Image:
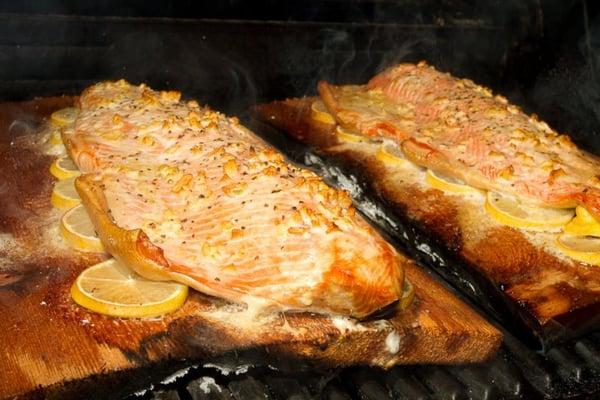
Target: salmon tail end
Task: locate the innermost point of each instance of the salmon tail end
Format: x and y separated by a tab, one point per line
361	286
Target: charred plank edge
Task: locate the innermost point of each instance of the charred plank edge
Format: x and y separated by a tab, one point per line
410	237
114	385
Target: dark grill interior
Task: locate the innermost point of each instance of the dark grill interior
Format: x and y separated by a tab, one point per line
543	55
517	372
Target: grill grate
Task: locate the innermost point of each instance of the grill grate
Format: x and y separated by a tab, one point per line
517	372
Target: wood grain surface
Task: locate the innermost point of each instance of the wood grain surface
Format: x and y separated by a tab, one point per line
50	347
554	296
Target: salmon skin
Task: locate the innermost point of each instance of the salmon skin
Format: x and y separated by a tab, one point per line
181	192
462	130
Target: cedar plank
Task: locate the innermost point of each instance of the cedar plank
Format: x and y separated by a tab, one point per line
52	347
550	293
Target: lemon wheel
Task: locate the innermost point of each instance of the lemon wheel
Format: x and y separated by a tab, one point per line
319	113
64	116
111	288
64	168
78	231
584	224
581	248
390	154
448	184
510	211
57	150
65	195
55	138
346	136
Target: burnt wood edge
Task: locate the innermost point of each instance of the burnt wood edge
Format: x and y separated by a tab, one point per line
133	382
113	385
460	276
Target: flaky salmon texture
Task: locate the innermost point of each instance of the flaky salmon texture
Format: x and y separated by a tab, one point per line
456	127
181	192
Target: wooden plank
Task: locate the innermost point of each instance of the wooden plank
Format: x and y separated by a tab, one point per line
539	293
49	344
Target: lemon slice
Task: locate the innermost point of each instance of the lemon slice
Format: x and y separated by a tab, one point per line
64	117
448	184
584	224
319	112
390	154
77	229
113	289
64	194
55	137
581	248
64	168
346	136
55	145
58	150
510	211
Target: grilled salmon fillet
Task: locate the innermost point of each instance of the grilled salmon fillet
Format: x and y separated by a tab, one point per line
460	129
181	192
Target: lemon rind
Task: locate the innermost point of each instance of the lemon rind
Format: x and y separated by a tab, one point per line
389	158
439	183
349	137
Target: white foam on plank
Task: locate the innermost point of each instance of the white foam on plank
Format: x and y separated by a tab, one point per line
392	342
346	325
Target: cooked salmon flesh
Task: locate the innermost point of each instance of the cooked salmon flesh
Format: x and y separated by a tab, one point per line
462	130
182	192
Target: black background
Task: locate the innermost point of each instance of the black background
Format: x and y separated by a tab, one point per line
542	54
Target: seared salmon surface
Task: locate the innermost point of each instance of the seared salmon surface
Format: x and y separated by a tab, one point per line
220	207
462	130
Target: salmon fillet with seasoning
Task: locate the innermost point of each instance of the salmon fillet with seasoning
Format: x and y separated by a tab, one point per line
460	129
181	192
